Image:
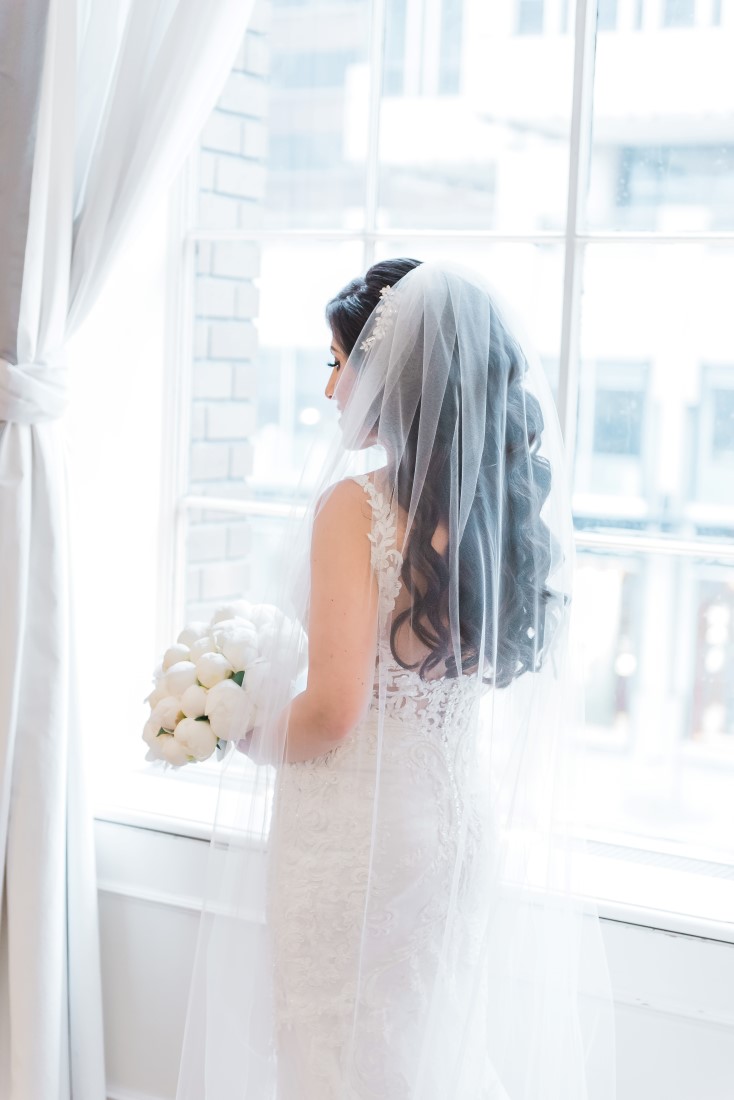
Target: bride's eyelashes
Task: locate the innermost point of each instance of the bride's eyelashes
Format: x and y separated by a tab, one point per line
334	365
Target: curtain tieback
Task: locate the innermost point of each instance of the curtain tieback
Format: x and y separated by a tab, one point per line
32	392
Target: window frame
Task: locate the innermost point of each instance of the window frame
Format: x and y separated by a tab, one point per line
177	502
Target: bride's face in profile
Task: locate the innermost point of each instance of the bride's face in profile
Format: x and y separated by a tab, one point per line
342	378
341	381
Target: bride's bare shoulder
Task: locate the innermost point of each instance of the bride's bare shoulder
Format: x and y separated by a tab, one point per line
343	503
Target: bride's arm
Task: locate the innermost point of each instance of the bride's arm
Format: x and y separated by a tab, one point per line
342	627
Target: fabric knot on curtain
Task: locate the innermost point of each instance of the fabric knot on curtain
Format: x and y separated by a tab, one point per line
33	392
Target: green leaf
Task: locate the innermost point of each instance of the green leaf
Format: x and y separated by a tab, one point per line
167	732
238	677
201	718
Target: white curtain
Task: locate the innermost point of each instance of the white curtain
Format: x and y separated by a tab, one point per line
99	105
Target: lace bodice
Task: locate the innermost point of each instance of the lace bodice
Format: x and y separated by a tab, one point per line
443	701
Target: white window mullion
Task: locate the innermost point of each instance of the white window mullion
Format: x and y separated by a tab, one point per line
578	167
376	55
175	427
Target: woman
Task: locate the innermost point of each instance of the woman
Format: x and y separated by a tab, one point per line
423	933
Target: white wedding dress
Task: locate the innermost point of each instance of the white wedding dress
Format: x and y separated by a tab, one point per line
410	988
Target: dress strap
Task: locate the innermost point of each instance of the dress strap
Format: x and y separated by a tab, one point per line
385	557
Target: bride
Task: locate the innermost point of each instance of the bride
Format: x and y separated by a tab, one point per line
394	908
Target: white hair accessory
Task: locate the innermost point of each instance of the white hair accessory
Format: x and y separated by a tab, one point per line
384	312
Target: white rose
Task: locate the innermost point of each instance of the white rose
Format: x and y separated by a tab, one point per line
192	632
166	712
211	668
174	654
179	677
193	701
171	750
196	737
230	710
201	646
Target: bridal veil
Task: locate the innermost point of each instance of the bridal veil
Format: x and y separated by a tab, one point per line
445	398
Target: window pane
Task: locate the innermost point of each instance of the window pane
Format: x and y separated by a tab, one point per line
678	13
659	649
286	143
230	557
662	142
473	125
261	349
655	425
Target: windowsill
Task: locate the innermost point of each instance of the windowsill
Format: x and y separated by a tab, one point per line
655	889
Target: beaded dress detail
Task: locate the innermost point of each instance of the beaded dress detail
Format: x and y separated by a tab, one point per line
352	996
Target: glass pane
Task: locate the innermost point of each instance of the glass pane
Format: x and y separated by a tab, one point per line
655	426
659	648
230	557
261	351
474	123
662	142
286	143
529	277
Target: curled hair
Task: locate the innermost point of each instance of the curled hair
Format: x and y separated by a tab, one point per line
503	522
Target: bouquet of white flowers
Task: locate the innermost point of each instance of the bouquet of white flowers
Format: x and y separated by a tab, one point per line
208	686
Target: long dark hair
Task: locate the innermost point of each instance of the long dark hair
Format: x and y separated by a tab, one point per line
520	538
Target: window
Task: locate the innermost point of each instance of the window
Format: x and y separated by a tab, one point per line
678	13
606	15
530	17
300	182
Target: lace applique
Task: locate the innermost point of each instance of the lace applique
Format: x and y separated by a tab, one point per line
441	701
387	561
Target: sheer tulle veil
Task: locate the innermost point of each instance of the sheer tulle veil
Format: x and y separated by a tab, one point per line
444	396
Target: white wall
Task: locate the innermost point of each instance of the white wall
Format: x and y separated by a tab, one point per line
675	993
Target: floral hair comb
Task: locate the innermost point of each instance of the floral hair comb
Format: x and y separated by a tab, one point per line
384	312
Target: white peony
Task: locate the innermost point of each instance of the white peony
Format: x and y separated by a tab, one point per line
211	668
169	749
237	640
256	679
159	692
238	609
166	712
230	710
201	646
175	653
150	732
179	677
193	701
192	632
196	737
266	614
267	638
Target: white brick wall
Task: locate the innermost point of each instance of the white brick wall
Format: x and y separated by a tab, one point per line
212	379
223	132
232	181
231	420
231	340
235	259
